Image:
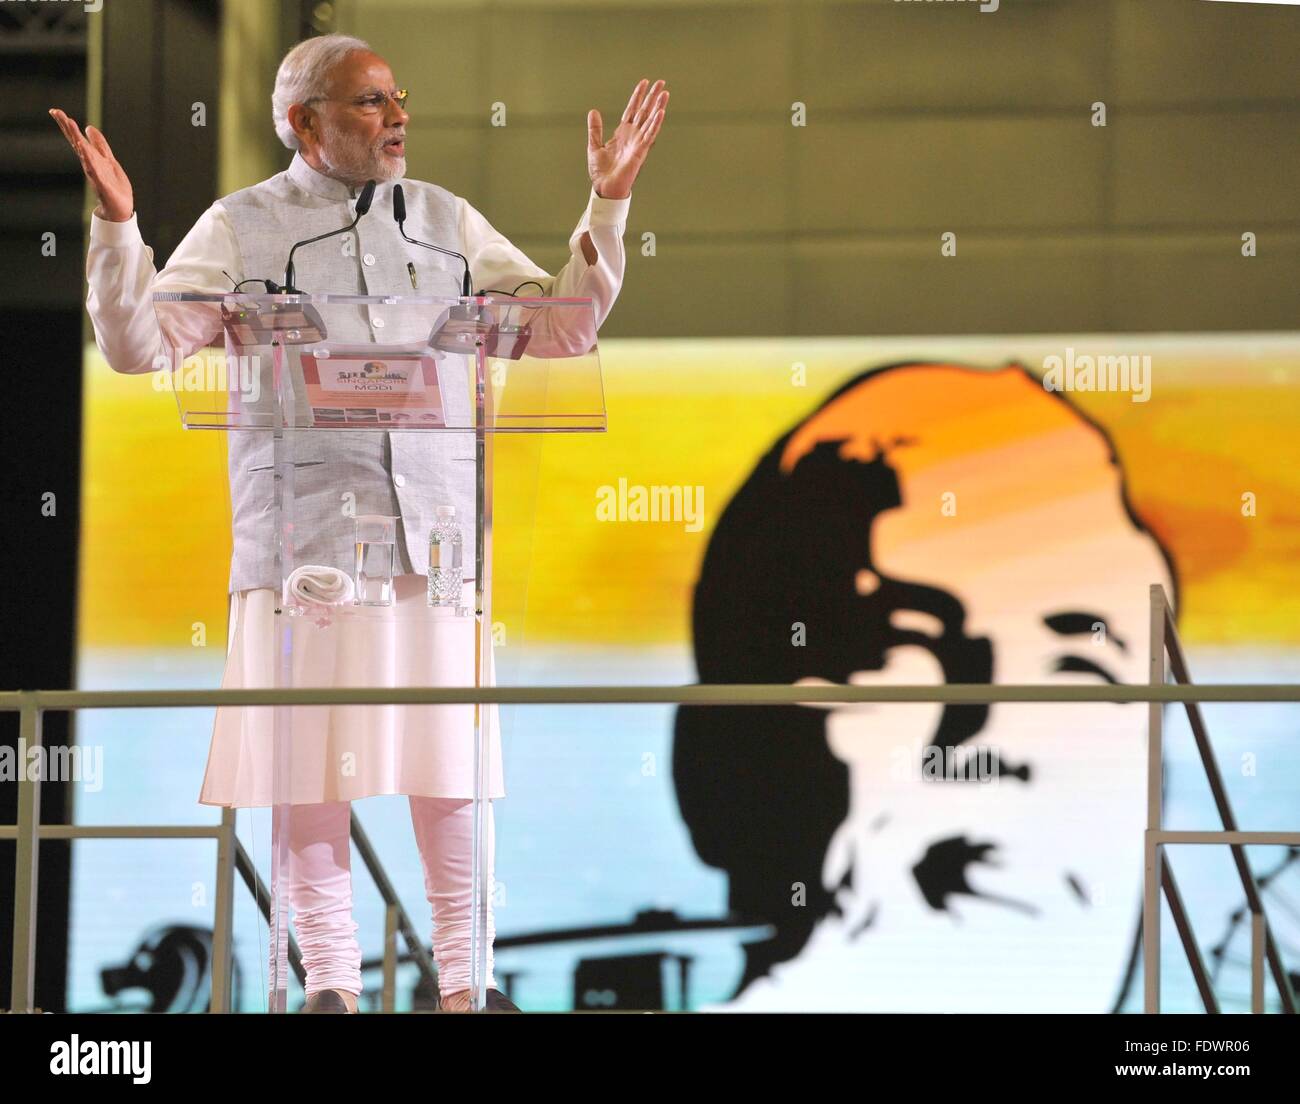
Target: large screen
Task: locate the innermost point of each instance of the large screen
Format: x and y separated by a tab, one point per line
796	511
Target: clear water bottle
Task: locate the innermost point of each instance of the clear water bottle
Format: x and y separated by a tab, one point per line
445	575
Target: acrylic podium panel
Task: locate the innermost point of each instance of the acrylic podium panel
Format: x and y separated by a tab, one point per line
551	340
304	375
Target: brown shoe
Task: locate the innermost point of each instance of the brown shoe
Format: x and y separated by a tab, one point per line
327	1000
495	1001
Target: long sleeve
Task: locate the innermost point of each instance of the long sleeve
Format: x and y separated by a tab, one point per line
121	278
496	264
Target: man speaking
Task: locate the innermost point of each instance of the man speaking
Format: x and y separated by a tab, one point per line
337	106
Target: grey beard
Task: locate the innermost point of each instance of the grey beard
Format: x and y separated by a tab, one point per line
353	163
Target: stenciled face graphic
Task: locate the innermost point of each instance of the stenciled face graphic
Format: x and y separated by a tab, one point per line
1021	890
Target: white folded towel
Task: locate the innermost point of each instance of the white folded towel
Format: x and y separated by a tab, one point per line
318	585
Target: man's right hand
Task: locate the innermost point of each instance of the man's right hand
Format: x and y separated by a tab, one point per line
106	176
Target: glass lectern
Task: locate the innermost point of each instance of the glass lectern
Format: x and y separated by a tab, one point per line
362	437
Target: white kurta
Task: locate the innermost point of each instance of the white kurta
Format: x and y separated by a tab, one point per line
344	752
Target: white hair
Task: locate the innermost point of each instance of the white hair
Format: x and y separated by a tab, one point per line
304	73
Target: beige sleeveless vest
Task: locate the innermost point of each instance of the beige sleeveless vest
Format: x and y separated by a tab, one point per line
404	474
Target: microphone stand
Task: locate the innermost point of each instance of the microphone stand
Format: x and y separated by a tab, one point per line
363	205
399	215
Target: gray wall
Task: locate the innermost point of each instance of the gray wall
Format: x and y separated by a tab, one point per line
922	118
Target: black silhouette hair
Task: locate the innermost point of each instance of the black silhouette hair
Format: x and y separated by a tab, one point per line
757	786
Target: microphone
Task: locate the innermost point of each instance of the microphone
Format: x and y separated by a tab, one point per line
364	200
399	214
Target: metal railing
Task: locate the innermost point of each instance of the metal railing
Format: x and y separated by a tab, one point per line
1159	874
31	705
232	857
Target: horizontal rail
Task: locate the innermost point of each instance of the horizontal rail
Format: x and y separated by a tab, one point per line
708	694
1281	839
114	831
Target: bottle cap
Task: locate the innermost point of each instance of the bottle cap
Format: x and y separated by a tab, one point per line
446	511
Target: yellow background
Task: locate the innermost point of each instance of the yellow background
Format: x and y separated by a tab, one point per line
1221	422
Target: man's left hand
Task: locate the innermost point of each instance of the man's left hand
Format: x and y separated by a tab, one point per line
613	165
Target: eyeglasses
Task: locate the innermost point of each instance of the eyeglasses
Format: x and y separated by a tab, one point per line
371	102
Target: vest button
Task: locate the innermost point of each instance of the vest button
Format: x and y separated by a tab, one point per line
378	323
400	480
369	258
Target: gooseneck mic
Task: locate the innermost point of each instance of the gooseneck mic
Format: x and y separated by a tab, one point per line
399	213
364	200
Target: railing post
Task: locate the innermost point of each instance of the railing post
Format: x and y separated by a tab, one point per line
1155	778
27	861
389	1001
223	913
1258	938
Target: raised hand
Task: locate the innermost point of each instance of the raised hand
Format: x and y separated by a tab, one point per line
614	165
106	176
